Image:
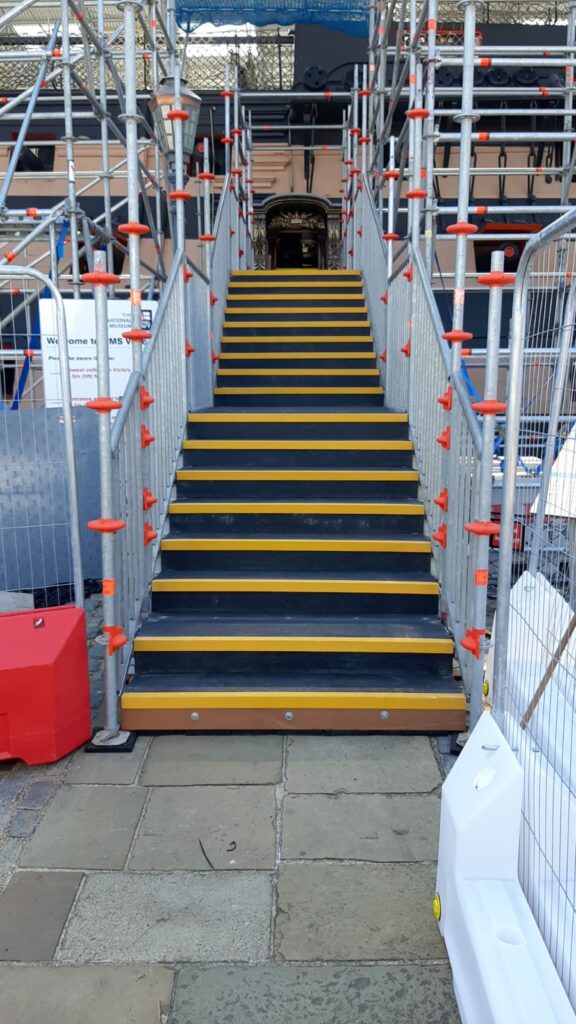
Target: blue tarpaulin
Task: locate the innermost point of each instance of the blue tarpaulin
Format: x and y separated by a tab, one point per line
346	15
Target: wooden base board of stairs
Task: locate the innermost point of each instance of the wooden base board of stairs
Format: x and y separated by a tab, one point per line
295	591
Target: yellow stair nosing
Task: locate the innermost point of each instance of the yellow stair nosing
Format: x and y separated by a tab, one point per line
289	339
298	445
318	297
293	310
298	417
186	585
253	356
303	272
283	371
384	508
298	391
353	700
308	476
303	644
242	324
357	285
421	546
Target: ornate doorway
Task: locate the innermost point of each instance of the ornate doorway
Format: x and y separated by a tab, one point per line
297	231
296	235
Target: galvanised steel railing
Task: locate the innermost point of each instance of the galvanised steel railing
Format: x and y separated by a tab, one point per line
139	453
449	444
148	430
534	692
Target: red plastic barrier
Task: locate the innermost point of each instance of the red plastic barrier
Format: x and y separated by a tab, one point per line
44	684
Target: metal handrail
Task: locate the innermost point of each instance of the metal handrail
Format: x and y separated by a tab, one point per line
131	390
457	381
551	233
220	211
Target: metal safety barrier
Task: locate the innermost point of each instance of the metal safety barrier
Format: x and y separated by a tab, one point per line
533	688
223	259
40	549
446	433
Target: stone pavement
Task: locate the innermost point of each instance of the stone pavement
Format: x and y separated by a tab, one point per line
216	879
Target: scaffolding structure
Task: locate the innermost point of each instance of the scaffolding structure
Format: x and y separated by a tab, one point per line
443	143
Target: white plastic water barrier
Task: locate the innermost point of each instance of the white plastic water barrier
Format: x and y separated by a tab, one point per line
503	973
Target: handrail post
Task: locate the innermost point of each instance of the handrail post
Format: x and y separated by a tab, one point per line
480	561
133	229
228	94
108	525
354	172
429	139
462	230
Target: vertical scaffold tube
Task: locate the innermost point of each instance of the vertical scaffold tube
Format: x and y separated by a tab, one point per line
480	564
69	139
134	230
461	230
428	138
104	138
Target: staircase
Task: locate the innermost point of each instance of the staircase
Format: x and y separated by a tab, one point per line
295	589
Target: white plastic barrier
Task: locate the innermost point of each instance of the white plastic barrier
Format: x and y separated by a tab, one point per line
503	973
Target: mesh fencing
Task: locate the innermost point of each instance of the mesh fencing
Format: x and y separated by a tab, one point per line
36	517
264	58
535	697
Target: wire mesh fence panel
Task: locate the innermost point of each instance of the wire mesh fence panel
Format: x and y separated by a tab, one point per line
264	58
200	369
397	365
224	258
152	449
38	518
374	262
447	446
535	670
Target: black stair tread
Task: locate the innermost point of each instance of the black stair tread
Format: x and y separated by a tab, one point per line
279	538
238	410
313	472
170	682
298	505
388	577
421	627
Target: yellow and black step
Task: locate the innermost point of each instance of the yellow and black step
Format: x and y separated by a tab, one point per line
294	586
295	593
388	555
308	483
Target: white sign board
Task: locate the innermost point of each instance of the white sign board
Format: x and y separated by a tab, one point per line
81	325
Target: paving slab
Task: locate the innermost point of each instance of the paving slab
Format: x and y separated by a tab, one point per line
38	795
192	828
278	993
213	760
361	764
357	912
86	827
108	769
33	911
10	851
163	918
92	995
354	826
24	823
